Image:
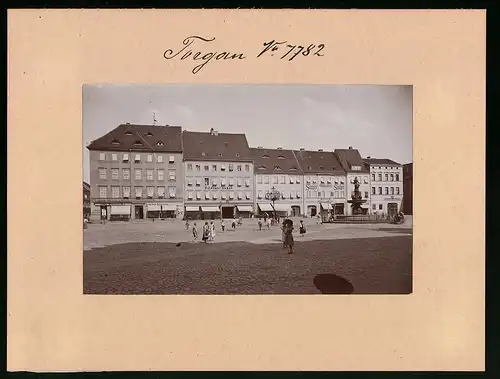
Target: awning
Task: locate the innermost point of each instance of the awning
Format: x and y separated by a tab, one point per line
210	209
339	202
282	207
192	209
153	207
169	207
245	208
160	207
325	206
120	209
265	207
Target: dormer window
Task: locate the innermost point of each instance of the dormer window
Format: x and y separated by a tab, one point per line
203	153
159	143
281	157
261	167
137	143
321	167
237	154
293	169
278	168
128	133
115	142
220	154
149	134
309	168
265	156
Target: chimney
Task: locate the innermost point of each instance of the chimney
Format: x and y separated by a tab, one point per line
302	149
350	147
128	123
320	149
259	147
279	147
368	157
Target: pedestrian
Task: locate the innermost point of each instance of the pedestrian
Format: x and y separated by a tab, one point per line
260	224
222	225
187	224
283	235
233	224
289	236
195	232
302	228
212	231
269	223
205	232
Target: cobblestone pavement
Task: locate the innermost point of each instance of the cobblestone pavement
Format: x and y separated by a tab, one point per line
380	265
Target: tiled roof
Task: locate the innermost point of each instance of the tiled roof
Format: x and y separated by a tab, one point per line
380	161
351	157
131	137
318	162
274	161
86	186
216	147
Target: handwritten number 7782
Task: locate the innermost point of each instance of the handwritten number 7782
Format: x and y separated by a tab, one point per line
291	51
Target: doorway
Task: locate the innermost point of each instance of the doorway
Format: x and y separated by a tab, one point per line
312	210
295	211
227	212
392	209
139	212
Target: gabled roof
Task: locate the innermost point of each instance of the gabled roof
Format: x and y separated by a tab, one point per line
226	147
318	162
275	161
381	161
349	158
131	137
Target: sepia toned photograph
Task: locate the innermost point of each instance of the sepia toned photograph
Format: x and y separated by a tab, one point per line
247	189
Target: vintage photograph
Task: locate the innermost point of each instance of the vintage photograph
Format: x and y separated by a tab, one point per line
247	189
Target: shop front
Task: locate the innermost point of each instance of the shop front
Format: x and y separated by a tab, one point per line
192	213
210	212
265	208
161	211
120	212
244	211
283	210
326	210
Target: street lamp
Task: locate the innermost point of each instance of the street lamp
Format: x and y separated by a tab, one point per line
273	195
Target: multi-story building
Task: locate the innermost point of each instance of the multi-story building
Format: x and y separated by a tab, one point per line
136	172
408	188
324	183
218	175
86	199
355	168
277	171
386	181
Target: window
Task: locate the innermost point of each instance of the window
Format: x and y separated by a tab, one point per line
149	158
282	179
266	179
297	180
373	177
159	143
329	180
159	158
247	168
171	175
247	182
102	173
231	195
259	179
247	195
223	167
322	180
214	182
206	167
138	192
292	194
314	180
190	167
161	192
319	194
161	175
114	157
240	195
102	156
198	182
231	182
103	192
374	206
238	167
379	177
151	192
298	194
366	194
214	195
207	195
284	195
392	190
336	194
259	194
373	190
380	207
190	182
214	167
171	159
171	192
125	157
223	182
230	167
397	190
197	167
275	179
115	174
392	177
365	179
239	182
126	192
386	190
291	179
207	181
386	177
380	190
190	195
138	174
223	195
397	177
137	158
149	174
356	168
198	195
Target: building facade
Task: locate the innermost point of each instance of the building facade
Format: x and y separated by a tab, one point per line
386	181
355	168
219	175
408	189
324	183
86	200
277	172
136	172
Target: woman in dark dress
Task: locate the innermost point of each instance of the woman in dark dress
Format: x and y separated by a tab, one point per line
302	228
288	235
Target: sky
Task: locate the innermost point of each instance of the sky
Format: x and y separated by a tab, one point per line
375	119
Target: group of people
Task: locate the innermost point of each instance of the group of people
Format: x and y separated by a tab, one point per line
208	229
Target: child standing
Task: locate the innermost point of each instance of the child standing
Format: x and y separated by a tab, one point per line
302	228
222	225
